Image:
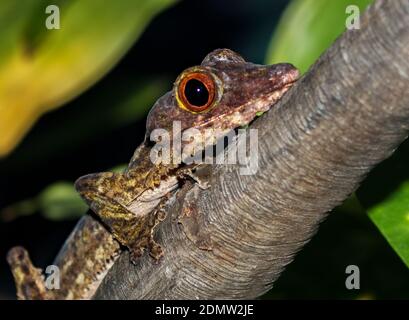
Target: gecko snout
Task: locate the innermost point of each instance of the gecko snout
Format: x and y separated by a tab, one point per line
93	188
283	73
84	183
87	187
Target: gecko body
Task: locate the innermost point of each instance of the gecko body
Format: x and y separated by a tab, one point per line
221	94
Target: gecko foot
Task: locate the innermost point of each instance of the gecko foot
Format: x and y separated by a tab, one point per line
193	223
155	251
146	240
135	254
28	279
200	174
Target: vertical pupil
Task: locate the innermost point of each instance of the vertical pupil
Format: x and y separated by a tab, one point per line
196	93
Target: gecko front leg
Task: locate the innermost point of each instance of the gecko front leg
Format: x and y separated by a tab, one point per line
201	175
131	216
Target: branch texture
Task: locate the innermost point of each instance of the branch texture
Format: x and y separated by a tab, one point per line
347	114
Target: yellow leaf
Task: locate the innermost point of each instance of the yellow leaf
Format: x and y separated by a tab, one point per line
43	69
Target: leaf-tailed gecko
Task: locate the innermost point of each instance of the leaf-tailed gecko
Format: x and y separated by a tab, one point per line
223	93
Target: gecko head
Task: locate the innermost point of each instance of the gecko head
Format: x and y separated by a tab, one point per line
97	190
223	93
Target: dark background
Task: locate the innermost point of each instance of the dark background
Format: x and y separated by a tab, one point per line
176	39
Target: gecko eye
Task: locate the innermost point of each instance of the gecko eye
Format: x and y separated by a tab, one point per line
196	91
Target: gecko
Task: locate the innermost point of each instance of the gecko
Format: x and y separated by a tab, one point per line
223	93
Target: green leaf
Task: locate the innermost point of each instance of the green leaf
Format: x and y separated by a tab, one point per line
117	106
307	28
385	196
58	201
391	216
41	69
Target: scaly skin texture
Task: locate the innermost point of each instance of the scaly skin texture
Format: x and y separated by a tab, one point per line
131	204
83	261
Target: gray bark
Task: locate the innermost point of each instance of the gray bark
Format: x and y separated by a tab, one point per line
347	114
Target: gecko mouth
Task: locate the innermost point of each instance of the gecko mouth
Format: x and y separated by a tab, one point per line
272	99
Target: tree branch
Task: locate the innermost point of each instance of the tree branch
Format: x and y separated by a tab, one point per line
345	116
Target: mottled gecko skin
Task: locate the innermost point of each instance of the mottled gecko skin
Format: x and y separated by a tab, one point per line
84	260
223	93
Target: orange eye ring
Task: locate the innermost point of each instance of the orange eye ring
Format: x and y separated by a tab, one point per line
196	91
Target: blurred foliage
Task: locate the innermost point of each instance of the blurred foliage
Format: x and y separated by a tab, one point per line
391	216
41	69
385	195
119	105
58	201
307	28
